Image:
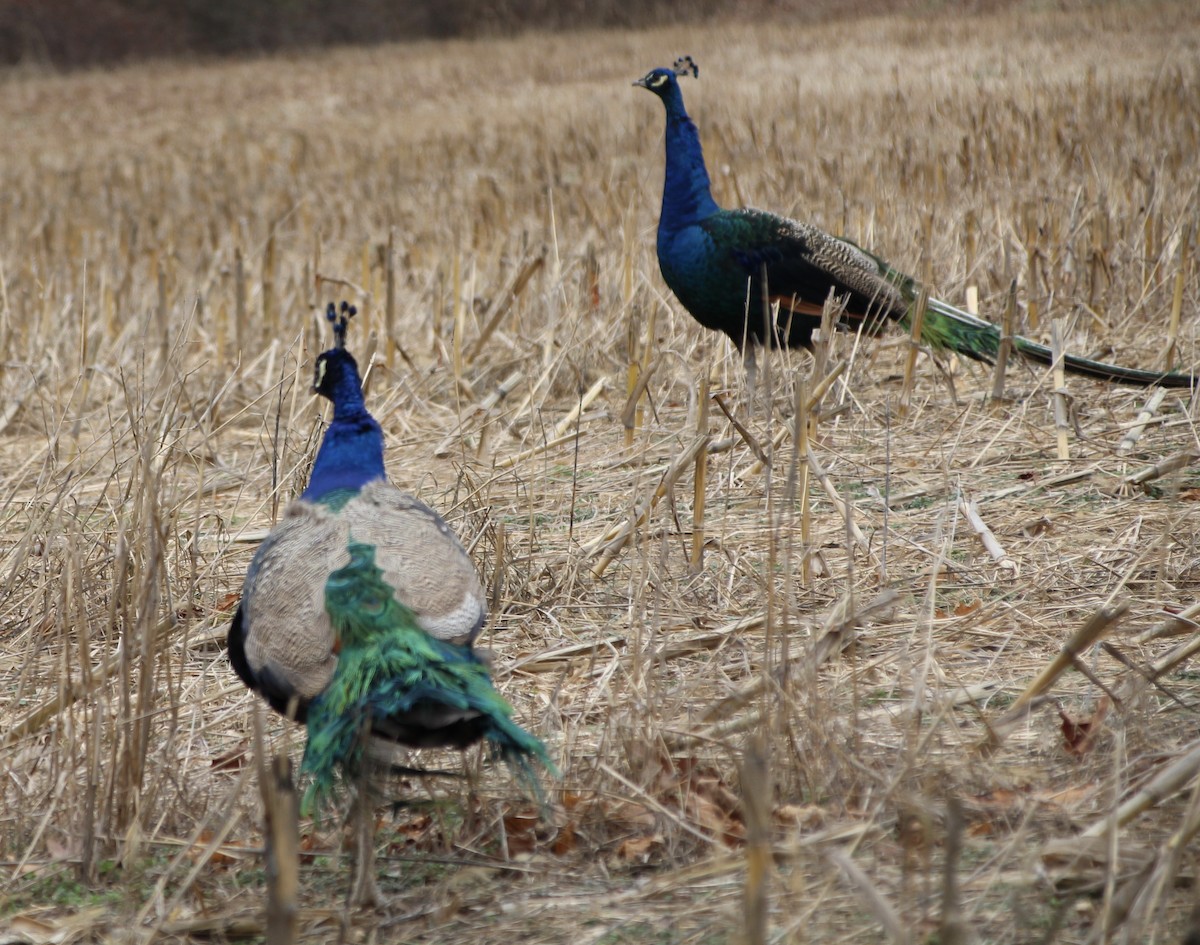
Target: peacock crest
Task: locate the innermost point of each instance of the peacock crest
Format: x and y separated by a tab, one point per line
686	65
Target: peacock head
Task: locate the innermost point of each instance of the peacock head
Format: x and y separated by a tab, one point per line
661	81
336	363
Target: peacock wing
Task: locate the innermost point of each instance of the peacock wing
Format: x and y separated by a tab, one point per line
804	263
282	637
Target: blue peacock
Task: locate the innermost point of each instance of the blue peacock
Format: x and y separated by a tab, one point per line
721	263
359	611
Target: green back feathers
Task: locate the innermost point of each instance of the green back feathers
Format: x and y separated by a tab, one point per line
336	500
362	605
390	672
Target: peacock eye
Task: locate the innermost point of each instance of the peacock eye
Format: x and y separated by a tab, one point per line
373	603
320	373
658	80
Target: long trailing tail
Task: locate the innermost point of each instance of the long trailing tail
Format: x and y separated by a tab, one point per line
948	328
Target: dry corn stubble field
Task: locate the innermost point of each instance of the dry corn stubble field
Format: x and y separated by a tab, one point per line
822	730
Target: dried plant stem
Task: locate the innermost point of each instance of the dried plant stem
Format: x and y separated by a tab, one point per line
651	802
163	312
281	837
1031	266
1185	248
1134	433
910	358
610	544
700	485
803	486
499	568
1162	468
562	432
509	461
1164	785
270	313
1093	629
1178	624
637	374
71	693
952	929
840	626
389	300
1062	427
994	549
322	279
820	390
452	441
756	795
831	312
456	319
764	454
241	328
631	415
1007	329
893	925
200	859
1166	868
504	303
844	508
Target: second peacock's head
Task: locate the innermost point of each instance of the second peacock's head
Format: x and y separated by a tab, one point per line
659	81
336	365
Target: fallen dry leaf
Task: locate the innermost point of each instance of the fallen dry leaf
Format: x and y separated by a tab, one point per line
520	831
234	759
565	842
1079	734
220	857
636	851
800	815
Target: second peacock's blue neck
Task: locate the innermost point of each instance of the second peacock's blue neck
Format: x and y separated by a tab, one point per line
687	194
351	452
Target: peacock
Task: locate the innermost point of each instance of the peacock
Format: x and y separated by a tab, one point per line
721	263
358	615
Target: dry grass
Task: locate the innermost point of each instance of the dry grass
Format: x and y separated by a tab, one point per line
761	743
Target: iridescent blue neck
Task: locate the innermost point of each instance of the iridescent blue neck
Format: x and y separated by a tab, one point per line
351	453
687	194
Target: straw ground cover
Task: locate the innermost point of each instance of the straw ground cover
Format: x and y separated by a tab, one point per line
800	724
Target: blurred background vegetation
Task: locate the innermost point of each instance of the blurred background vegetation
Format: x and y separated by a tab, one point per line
73	33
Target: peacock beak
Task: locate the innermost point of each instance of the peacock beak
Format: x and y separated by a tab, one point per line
642	82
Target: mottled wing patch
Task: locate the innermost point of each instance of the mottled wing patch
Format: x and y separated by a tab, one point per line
421	560
288	634
857	270
767	238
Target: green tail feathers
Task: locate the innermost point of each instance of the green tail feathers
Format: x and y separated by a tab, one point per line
946	328
396	680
